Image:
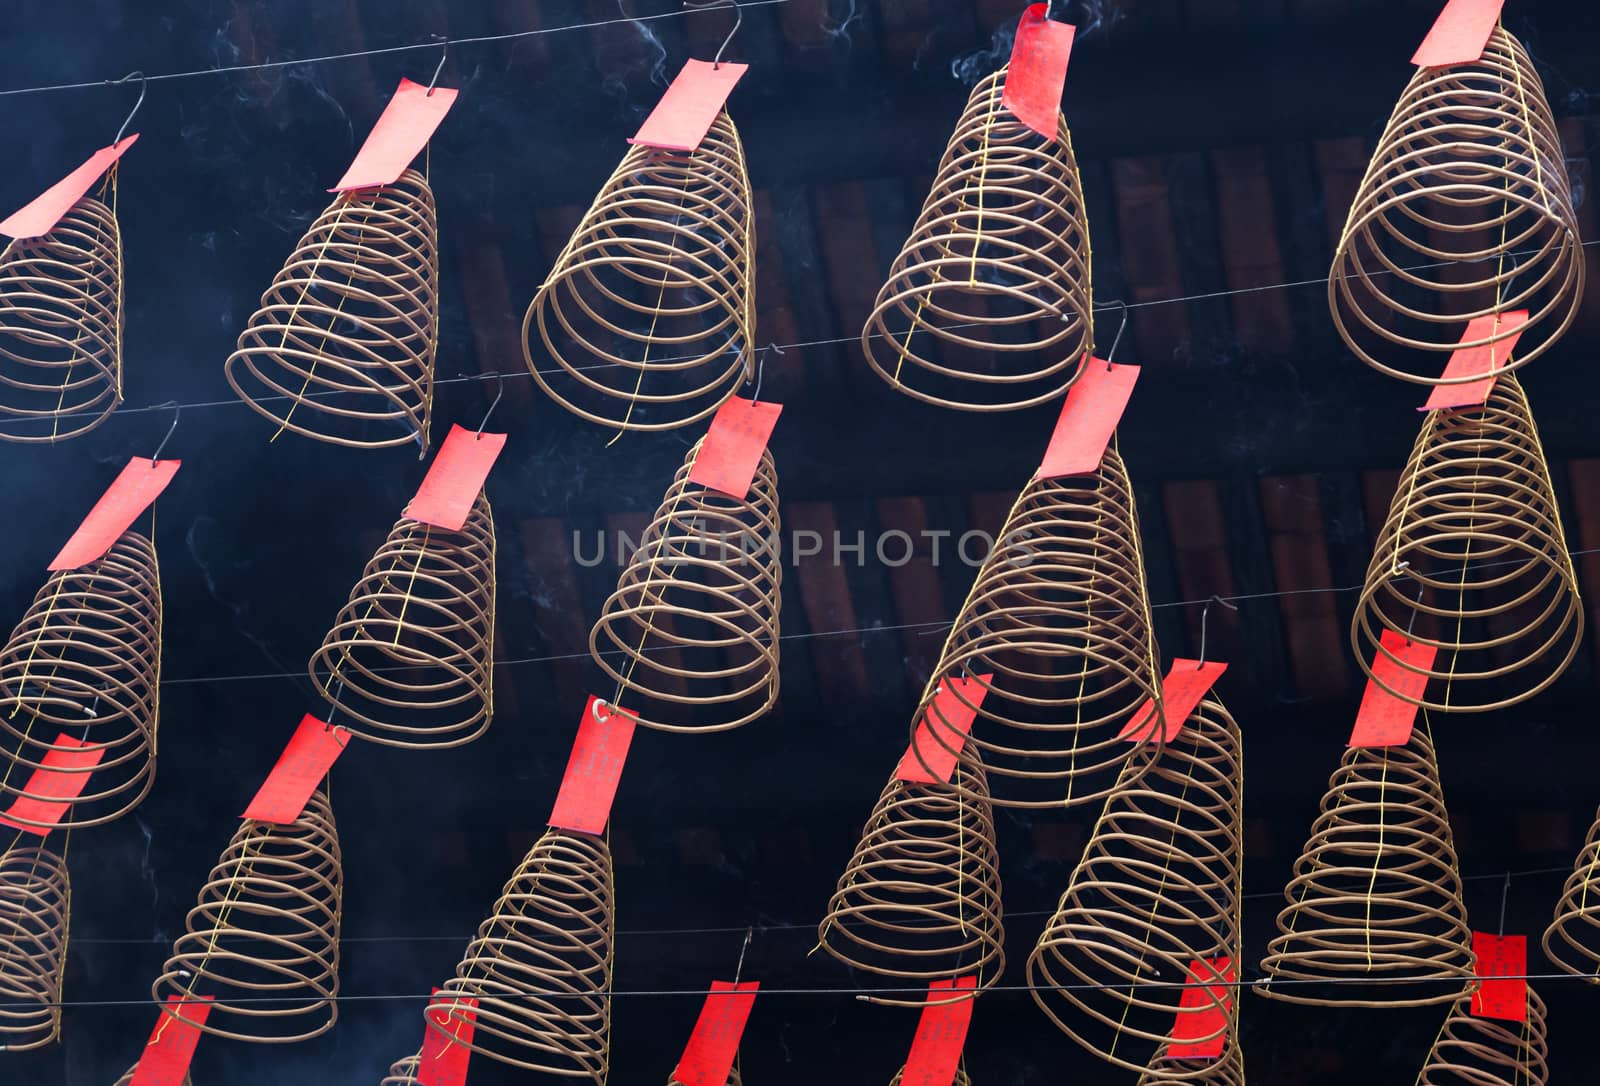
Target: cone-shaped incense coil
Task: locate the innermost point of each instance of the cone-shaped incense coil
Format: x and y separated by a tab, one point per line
403	1072
410	659
34	900
692	629
61	327
920	900
1376	893
987	307
264	939
342	347
1487	1051
1226	1070
648	313
1465	211
961	1079
540	966
127	1078
86	660
1157	888
1483	568
1572	941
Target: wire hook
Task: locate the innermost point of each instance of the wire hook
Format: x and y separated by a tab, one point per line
738	970
499	392
761	370
1205	613
1121	328
1505	896
177	413
443	56
738	21
144	85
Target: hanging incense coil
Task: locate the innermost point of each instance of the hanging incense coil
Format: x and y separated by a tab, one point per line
693	625
341	349
35	898
920	899
263	941
86	661
961	1079
1465	211
540	966
987	307
1473	1051
1225	1070
1572	941
1483	568
403	1072
127	1078
1376	893
649	311
409	661
1157	889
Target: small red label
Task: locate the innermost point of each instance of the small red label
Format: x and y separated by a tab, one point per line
1181	691
941	1033
1094	406
40	217
708	1057
955	706
165	1060
62	775
140	483
1460	34
1385	720
684	115
1210	983
455	478
1501	956
445	1055
732	448
1487	358
312	750
407	124
594	768
1038	70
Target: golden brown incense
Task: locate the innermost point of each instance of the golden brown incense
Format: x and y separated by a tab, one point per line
35	899
1487	1051
1572	941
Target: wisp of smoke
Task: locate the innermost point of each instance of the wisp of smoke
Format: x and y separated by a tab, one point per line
840	31
971	67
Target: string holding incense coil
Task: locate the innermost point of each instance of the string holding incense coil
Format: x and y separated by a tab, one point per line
61	327
1572	941
263	939
920	898
342	347
649	311
1225	1070
1465	211
1376	893
988	307
1483	568
403	1072
693	625
409	661
35	898
1157	889
85	661
540	965
1473	1051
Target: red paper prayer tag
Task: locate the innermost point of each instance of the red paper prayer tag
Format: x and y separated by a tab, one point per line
1460	34
1199	1016
708	1057
445	1055
1094	406
594	768
62	775
684	115
941	1033
1181	691
140	483
955	706
1489	358
166	1059
1501	956
312	750
732	448
39	217
407	124
455	478
1383	719
1038	70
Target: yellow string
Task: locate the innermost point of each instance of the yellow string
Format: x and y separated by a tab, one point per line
242	868
1377	858
345	200
405	601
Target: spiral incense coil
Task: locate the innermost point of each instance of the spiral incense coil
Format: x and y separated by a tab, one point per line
342	347
61	327
961	1079
1488	1052
127	1078
1484	572
540	966
1572	941
1465	211
86	660
1376	893
987	307
1226	1070
35	897
409	661
649	311
920	899
263	941
1157	888
403	1072
693	625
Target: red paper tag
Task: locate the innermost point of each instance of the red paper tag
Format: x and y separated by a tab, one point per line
955	704
445	1054
684	115
165	1061
1501	956
732	449
594	768
708	1057
1181	691
407	124
60	776
1460	34
140	483
1094	406
313	748
1488	358
455	478
941	1032
1198	1013
40	217
1383	719
1038	70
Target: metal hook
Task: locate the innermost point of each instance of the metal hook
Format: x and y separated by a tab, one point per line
333	707
738	970
1205	613
177	413
1415	607
499	392
144	85
738	21
443	56
1505	895
761	370
1121	328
